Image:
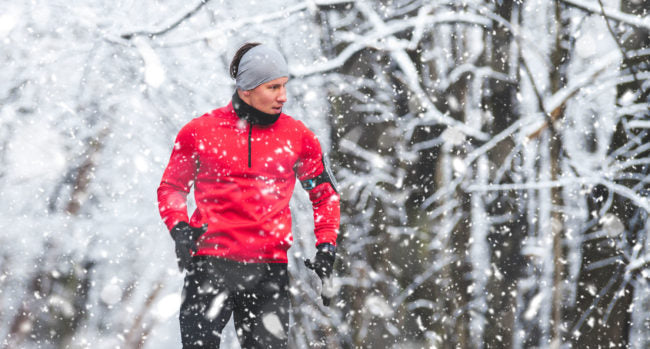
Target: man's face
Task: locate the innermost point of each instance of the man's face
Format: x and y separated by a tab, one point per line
269	97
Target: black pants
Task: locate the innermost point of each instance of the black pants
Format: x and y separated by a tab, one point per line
257	294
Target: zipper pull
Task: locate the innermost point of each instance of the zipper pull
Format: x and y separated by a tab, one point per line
250	132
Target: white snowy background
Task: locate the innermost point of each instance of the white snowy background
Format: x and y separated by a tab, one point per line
493	159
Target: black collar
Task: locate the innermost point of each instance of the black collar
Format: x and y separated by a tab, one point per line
250	114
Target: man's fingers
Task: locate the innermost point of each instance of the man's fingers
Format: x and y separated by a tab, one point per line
180	264
326	301
320	271
309	265
184	259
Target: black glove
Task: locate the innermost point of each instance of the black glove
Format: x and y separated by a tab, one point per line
185	237
323	265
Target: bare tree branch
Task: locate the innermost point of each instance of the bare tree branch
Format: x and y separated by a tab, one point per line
169	27
622	190
611	14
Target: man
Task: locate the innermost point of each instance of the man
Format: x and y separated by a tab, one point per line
243	160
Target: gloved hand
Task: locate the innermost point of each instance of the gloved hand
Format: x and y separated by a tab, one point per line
323	264
185	237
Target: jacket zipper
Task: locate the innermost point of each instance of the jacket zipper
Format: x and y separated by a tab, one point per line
250	132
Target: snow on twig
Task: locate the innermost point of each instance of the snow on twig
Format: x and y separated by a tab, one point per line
622	190
420	279
412	80
632	67
372	38
167	28
471	157
267	17
639	22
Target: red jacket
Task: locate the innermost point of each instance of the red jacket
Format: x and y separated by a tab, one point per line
246	208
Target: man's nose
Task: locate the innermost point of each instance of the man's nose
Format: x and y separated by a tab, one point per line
282	97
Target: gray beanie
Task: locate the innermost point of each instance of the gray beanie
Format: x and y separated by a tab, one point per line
259	65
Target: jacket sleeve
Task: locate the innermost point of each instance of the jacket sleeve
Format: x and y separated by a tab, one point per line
178	179
325	200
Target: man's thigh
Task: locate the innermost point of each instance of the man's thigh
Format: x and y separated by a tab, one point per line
261	313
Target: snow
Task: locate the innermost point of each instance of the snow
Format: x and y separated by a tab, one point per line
273	324
37	153
456	211
154	74
378	307
592	6
111	294
216	305
534	307
7	22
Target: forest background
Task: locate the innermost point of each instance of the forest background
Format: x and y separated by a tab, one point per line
493	159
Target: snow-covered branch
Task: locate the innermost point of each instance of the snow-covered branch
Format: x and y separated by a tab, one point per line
641	201
168	27
611	13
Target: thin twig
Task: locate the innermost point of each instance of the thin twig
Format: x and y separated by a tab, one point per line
129	36
556	111
540	101
597	299
134	337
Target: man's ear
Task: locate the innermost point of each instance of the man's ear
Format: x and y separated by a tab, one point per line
247	93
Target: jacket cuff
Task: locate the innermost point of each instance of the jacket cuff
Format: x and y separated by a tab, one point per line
171	221
326	247
326	236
